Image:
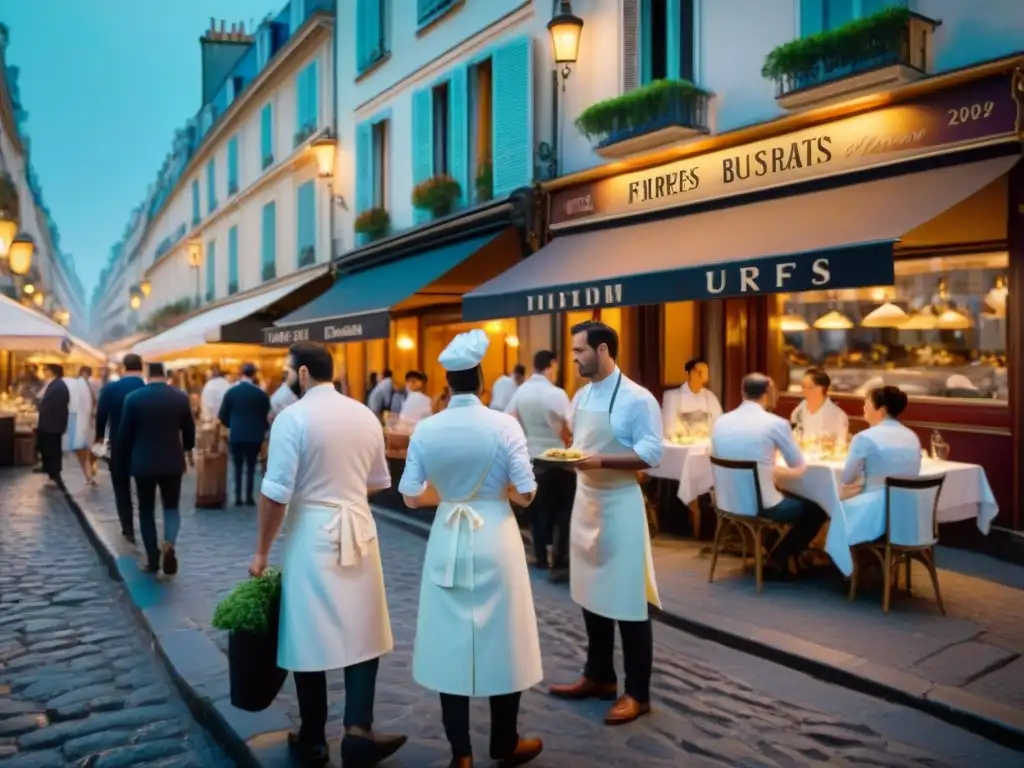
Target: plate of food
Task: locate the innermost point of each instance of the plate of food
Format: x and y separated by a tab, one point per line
562	456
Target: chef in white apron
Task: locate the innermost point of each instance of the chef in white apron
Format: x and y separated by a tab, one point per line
476	631
326	455
617	425
693	405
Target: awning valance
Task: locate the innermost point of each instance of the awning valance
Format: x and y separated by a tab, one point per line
836	238
25	330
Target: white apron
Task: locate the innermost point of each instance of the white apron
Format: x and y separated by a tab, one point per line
611	570
476	630
334	612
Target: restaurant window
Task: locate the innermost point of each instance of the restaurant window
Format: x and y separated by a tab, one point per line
380	153
818	16
440	107
404	346
666	50
680	334
940	331
481	123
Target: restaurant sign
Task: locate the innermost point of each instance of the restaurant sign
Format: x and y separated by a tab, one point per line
843	267
334	330
958	117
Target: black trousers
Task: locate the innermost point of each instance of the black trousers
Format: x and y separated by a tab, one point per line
120	478
637	653
51	451
806	518
170	494
244	455
504	724
550	513
360	690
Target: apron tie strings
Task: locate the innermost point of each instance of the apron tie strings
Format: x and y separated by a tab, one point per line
351	529
460	511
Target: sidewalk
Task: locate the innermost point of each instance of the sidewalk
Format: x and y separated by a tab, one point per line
715	707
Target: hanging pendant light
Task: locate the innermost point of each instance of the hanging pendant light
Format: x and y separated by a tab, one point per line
995	299
793	323
833	321
922	320
885	315
952	320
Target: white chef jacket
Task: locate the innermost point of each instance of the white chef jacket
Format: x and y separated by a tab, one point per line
321	446
685	400
416	407
750	433
543	409
213	396
502	391
282	398
380	396
829	420
636	418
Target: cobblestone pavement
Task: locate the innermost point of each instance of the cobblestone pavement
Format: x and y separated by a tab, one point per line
78	684
714	707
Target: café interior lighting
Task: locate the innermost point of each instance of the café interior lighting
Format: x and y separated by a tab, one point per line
565	29
405	343
8	231
135	301
833	321
512	341
952	320
19	255
325	149
922	320
494	327
791	322
38	298
29	289
885	315
995	299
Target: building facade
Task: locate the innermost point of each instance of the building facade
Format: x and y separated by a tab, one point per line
237	204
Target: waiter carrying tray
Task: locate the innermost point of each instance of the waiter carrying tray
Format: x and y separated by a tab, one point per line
326	455
617	427
476	630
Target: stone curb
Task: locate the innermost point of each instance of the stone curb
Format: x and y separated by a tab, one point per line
251	739
981	715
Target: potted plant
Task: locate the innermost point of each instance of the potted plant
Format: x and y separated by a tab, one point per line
653	107
484	182
10	203
373	223
437	195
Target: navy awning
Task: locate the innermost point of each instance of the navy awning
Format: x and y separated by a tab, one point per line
837	238
358	306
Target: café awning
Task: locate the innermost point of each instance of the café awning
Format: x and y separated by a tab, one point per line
23	329
835	238
358	307
215	325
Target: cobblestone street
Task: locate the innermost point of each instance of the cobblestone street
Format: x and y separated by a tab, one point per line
714	707
78	684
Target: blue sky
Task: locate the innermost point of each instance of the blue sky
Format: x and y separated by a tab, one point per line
106	83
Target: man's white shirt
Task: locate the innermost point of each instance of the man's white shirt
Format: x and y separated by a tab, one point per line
543	409
502	392
213	396
416	407
829	420
635	419
685	401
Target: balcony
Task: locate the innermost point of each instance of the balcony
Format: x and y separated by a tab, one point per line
656	115
877	53
307	256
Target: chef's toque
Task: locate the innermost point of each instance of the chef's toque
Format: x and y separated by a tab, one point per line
465	352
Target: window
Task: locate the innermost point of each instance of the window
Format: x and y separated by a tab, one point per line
680	340
211	187
431	10
232	165
197	215
822	15
307	101
267	136
940	331
372	41
305	216
480	127
440	124
233	260
379	133
211	270
268	246
666	40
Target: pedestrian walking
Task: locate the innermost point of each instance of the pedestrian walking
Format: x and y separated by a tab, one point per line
283	397
476	630
326	456
108	413
244	412
212	394
80	413
158	433
617	426
54	415
545	412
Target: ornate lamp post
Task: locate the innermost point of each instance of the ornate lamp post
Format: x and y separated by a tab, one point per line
565	29
325	150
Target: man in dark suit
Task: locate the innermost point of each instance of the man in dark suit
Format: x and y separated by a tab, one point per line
53	422
244	412
108	412
158	433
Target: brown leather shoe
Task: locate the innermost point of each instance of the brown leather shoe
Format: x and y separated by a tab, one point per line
461	762
585	688
626	710
526	750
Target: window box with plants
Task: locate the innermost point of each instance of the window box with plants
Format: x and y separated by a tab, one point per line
438	195
307	256
878	52
373	223
655	115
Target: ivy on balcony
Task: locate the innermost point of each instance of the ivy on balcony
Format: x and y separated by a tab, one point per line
166	316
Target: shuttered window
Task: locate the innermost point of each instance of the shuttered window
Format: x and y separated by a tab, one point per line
197	215
307	103
512	145
267	136
822	15
268	244
422	144
372	40
657	41
211	270
233	260
232	166
305	217
211	187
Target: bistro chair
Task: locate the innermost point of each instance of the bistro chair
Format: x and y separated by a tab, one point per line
738	505
911	533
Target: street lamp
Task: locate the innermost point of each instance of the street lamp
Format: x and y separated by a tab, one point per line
29	289
325	149
38	298
565	29
135	297
8	231
19	255
146	287
194	248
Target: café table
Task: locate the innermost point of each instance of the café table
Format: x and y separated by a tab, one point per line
688	463
965	494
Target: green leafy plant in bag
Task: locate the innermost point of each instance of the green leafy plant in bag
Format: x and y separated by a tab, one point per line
248	607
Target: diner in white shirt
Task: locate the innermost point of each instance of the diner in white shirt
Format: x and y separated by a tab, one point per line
213	394
693	405
505	387
416	406
752	433
818	416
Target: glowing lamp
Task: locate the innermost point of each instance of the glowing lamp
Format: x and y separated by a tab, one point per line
565	29
792	323
886	315
8	231
512	341
324	150
38	298
146	287
19	255
195	253
29	289
405	343
833	321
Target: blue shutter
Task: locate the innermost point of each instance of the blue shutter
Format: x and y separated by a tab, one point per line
266	136
362	39
232	165
646	41
512	122
268	257
306	222
422	144
300	102
364	170
458	131
314	96
812	17
211	187
211	270
232	260
197	214
673	40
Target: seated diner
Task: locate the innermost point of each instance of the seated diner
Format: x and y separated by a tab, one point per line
692	408
818	417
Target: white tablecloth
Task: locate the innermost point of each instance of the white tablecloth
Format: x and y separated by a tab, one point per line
966	494
690	465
